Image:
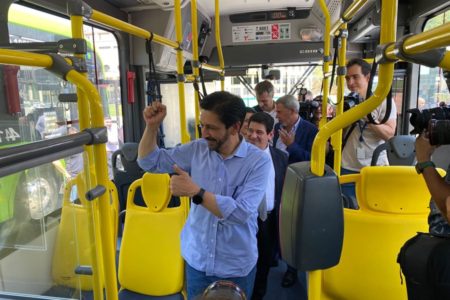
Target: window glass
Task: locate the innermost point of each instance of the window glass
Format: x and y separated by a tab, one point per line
433	90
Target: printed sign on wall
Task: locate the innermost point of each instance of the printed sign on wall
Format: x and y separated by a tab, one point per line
262	32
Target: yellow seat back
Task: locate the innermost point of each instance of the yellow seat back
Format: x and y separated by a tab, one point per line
150	259
73	246
393	205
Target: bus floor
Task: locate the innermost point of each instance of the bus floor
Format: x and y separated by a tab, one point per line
276	291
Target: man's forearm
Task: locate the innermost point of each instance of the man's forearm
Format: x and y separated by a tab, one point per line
438	188
384	131
148	141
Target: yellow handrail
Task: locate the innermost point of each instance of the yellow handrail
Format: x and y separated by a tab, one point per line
91	115
195	65
348	14
92	210
315	277
219	45
336	138
326	63
16	57
112	22
108	247
425	41
212	68
386	72
180	82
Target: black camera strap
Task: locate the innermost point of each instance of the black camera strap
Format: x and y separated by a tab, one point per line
333	70
373	71
347	135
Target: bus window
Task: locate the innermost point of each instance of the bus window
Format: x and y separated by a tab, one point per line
39	89
433	89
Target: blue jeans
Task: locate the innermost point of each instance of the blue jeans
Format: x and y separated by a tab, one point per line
348	189
197	282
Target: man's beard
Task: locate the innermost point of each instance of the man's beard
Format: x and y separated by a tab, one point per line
216	144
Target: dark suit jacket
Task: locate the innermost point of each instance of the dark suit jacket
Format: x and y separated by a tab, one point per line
300	149
257	108
280	162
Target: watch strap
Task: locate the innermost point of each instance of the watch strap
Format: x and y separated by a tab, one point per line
420	166
198	198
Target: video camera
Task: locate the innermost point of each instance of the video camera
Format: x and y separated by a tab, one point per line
307	109
351	101
435	120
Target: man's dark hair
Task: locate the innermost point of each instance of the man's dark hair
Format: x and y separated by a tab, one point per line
263	118
230	108
264	87
365	66
250	110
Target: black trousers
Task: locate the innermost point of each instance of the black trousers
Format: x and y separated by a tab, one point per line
267	237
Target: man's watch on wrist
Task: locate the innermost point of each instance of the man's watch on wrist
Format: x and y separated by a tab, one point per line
420	166
198	198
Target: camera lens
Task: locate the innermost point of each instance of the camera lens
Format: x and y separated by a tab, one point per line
439	132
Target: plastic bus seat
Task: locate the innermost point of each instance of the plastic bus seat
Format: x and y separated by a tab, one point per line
400	150
394	205
73	247
131	171
150	262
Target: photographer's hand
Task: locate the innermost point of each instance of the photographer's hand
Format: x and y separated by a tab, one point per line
424	149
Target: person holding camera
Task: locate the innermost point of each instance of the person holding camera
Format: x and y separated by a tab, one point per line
425	258
361	139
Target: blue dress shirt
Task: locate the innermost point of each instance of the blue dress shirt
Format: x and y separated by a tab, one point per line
224	247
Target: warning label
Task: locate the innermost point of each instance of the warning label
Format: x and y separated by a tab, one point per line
262	32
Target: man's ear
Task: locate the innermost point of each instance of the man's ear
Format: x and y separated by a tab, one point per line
270	135
236	128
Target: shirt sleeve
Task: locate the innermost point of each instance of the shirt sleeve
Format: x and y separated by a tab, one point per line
245	199
162	160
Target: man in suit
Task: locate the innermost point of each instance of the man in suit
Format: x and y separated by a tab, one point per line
294	136
259	133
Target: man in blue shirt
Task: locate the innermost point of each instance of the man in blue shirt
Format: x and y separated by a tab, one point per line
226	178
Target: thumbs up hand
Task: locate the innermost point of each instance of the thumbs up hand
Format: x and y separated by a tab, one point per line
181	183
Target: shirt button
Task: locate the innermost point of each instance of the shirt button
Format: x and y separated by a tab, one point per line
211	255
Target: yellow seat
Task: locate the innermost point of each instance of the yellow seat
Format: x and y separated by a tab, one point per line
150	261
73	247
394	205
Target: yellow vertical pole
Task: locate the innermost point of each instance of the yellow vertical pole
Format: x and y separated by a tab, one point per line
326	62
315	277
106	228
219	44
195	63
180	74
91	207
336	138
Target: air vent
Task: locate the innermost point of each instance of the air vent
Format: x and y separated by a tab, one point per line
333	5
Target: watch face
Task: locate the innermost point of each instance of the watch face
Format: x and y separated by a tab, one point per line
197	199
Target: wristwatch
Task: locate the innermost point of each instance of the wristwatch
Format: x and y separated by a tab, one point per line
420	166
198	198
